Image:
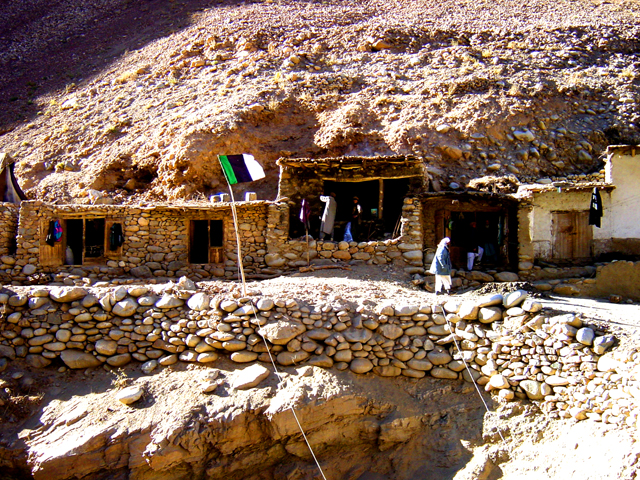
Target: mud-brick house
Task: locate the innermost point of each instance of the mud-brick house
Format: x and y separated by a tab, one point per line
158	240
391	226
554	222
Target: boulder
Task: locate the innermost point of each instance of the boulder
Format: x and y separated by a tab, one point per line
513	299
274	260
292	358
106	347
66	295
244	356
388	371
125	308
265	304
489	314
468	310
506	277
533	389
390	331
37	361
439	357
445	373
7	352
478	276
556	381
361	365
142	271
405	310
499	381
585	336
129	395
199	302
78	359
249	377
119	360
282	331
601	344
207	357
169	301
320	361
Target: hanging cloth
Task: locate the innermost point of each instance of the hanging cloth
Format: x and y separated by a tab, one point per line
595	209
54	233
305	214
50	239
116	238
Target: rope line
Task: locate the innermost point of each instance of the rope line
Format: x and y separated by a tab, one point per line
255	314
473	380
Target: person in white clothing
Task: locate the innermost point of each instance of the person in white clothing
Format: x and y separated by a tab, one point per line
329	215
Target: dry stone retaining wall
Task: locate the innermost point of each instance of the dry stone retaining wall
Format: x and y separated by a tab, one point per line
508	343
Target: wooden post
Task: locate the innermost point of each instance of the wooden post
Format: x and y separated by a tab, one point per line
380	197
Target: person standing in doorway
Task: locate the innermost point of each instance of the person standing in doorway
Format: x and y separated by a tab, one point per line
441	266
356	215
474	250
329	215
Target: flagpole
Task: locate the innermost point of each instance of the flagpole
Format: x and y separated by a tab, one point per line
235	225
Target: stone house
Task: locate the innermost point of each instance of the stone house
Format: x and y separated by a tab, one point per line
387	189
472	219
156	241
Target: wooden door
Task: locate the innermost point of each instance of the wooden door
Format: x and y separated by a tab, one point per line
572	235
51	256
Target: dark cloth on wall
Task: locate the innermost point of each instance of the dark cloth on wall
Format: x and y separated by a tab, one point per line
116	238
595	209
50	239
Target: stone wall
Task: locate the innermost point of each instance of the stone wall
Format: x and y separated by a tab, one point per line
404	250
8	227
156	240
508	344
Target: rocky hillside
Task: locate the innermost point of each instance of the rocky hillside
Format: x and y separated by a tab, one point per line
137	99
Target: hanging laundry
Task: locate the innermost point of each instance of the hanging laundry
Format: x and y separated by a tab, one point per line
595	209
50	239
57	230
54	233
116	238
305	214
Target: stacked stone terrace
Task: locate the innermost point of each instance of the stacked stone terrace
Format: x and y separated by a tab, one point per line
506	344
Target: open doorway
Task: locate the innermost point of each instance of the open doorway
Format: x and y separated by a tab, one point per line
381	202
472	229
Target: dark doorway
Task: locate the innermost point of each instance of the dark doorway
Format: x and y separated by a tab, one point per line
199	246
206	241
395	190
94	238
472	229
75	234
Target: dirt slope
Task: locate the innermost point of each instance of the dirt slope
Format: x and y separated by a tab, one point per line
136	99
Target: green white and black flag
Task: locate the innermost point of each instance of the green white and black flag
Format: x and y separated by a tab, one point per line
240	168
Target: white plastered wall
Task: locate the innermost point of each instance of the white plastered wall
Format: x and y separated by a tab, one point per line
540	218
623	171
